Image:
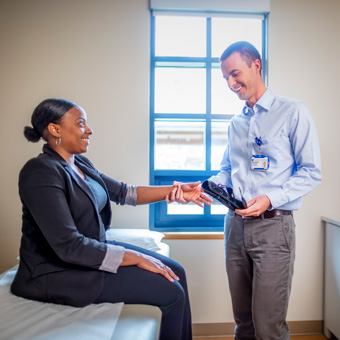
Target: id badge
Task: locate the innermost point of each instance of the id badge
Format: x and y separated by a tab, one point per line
259	162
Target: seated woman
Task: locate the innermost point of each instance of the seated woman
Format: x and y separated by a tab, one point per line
64	255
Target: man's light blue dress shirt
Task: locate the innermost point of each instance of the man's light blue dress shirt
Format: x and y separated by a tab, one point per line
289	139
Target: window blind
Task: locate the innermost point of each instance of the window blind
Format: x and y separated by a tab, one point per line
226	6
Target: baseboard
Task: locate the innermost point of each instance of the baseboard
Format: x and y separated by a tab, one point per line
306	327
227	328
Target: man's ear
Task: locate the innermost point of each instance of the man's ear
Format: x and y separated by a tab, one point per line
53	129
257	65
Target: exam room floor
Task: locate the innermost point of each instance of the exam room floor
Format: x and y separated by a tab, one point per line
292	337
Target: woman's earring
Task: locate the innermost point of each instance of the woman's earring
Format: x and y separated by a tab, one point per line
57	140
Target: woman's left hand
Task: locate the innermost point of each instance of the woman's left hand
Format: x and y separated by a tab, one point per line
147	262
188	192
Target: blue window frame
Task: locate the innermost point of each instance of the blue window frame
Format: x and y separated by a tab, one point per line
191	107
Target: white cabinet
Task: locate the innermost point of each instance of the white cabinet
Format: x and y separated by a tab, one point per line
332	278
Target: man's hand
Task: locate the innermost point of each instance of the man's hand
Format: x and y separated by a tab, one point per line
255	207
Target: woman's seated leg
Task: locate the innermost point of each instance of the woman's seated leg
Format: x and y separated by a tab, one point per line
133	285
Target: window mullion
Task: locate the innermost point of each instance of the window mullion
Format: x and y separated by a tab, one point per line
265	49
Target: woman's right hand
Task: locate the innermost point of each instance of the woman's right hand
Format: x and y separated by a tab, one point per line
184	193
147	262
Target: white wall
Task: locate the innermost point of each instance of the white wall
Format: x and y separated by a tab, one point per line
303	53
96	53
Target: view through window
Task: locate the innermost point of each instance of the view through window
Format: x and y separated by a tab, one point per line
191	107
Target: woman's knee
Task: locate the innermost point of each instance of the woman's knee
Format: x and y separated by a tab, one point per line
177	269
174	297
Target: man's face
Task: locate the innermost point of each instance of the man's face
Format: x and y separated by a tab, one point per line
241	78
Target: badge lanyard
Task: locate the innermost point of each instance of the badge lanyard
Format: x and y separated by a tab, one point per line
259	162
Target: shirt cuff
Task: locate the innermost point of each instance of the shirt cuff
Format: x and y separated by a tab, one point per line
131	195
277	198
113	258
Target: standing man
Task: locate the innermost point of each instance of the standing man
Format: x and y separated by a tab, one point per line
272	159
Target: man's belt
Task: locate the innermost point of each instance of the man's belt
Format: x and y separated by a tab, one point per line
269	214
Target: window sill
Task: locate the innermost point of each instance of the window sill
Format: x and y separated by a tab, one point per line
193	236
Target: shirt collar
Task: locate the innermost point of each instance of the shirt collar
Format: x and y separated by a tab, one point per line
264	102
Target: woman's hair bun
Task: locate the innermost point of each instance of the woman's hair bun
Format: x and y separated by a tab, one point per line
31	134
48	111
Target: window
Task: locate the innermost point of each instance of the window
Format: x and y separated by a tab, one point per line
191	107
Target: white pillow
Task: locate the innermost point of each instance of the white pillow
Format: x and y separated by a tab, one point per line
139	237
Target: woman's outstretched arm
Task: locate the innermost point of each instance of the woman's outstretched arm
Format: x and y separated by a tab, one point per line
179	192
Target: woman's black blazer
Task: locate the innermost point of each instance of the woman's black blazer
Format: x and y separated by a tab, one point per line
61	250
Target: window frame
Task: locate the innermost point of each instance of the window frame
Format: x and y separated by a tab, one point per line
158	219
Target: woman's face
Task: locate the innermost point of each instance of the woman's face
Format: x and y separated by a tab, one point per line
74	132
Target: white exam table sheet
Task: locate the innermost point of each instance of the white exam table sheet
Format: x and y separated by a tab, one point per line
23	319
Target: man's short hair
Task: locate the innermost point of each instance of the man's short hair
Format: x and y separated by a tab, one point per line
248	52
